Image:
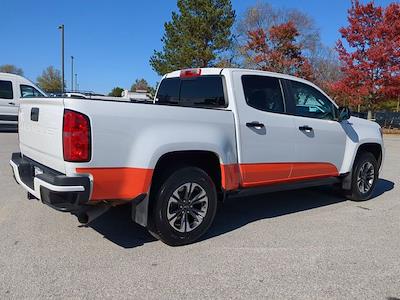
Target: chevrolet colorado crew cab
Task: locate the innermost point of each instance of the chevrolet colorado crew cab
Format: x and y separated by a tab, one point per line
13	89
209	134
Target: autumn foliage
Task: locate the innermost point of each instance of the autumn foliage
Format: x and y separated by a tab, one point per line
277	50
371	60
368	53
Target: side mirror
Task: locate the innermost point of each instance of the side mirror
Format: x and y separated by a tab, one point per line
344	113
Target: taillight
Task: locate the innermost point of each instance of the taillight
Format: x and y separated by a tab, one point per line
76	137
190	73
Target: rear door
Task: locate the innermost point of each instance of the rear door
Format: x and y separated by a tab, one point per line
265	130
40	131
8	107
320	139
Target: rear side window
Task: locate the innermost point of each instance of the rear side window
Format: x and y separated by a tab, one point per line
28	91
263	93
203	91
6	91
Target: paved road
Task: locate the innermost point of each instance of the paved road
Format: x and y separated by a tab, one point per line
301	244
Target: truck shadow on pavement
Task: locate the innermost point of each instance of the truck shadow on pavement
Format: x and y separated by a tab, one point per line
239	212
116	224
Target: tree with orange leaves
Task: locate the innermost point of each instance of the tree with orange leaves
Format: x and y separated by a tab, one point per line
371	60
277	50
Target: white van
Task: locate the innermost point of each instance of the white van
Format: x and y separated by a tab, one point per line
12	88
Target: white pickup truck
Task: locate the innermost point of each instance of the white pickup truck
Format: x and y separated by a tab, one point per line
12	89
209	134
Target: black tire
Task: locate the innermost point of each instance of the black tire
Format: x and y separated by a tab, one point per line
356	193
180	181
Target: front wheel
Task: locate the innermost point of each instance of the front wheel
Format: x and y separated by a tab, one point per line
364	177
184	206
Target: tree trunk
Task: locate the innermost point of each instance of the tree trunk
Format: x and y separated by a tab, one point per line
369	115
371	99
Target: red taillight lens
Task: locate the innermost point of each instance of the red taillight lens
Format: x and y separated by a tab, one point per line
190	73
76	137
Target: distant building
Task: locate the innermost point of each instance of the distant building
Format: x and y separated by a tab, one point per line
139	95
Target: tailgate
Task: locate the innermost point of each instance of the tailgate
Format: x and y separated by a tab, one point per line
40	131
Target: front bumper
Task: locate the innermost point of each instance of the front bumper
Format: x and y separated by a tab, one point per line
65	193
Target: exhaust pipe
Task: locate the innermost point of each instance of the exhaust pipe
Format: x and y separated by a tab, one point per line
89	214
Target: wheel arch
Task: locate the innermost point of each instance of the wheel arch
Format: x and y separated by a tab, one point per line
224	176
206	160
374	148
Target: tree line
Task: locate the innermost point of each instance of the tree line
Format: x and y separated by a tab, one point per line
362	70
50	81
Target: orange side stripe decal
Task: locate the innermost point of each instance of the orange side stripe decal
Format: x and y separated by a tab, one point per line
118	183
128	183
252	175
230	177
307	170
263	174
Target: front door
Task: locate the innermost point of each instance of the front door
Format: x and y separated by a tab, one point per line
320	139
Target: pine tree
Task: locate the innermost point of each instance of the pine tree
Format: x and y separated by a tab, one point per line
196	35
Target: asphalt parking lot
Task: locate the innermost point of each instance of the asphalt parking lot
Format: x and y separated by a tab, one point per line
308	244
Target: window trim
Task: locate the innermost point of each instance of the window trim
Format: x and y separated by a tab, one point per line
292	111
12	90
281	87
180	104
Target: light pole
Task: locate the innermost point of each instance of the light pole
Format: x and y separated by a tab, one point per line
76	82
61	27
72	73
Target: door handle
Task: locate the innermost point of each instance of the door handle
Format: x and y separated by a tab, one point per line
35	114
305	128
11	103
255	124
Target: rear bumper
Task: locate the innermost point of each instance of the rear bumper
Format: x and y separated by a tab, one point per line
65	193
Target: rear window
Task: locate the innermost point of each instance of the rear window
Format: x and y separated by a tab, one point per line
168	92
203	91
6	91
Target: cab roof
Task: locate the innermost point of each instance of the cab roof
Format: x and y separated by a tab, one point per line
219	71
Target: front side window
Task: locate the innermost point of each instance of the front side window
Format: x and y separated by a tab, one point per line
311	103
28	91
263	93
6	91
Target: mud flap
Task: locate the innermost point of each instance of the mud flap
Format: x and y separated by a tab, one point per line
140	208
346	181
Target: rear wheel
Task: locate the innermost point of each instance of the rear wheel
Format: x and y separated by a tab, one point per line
184	206
364	177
